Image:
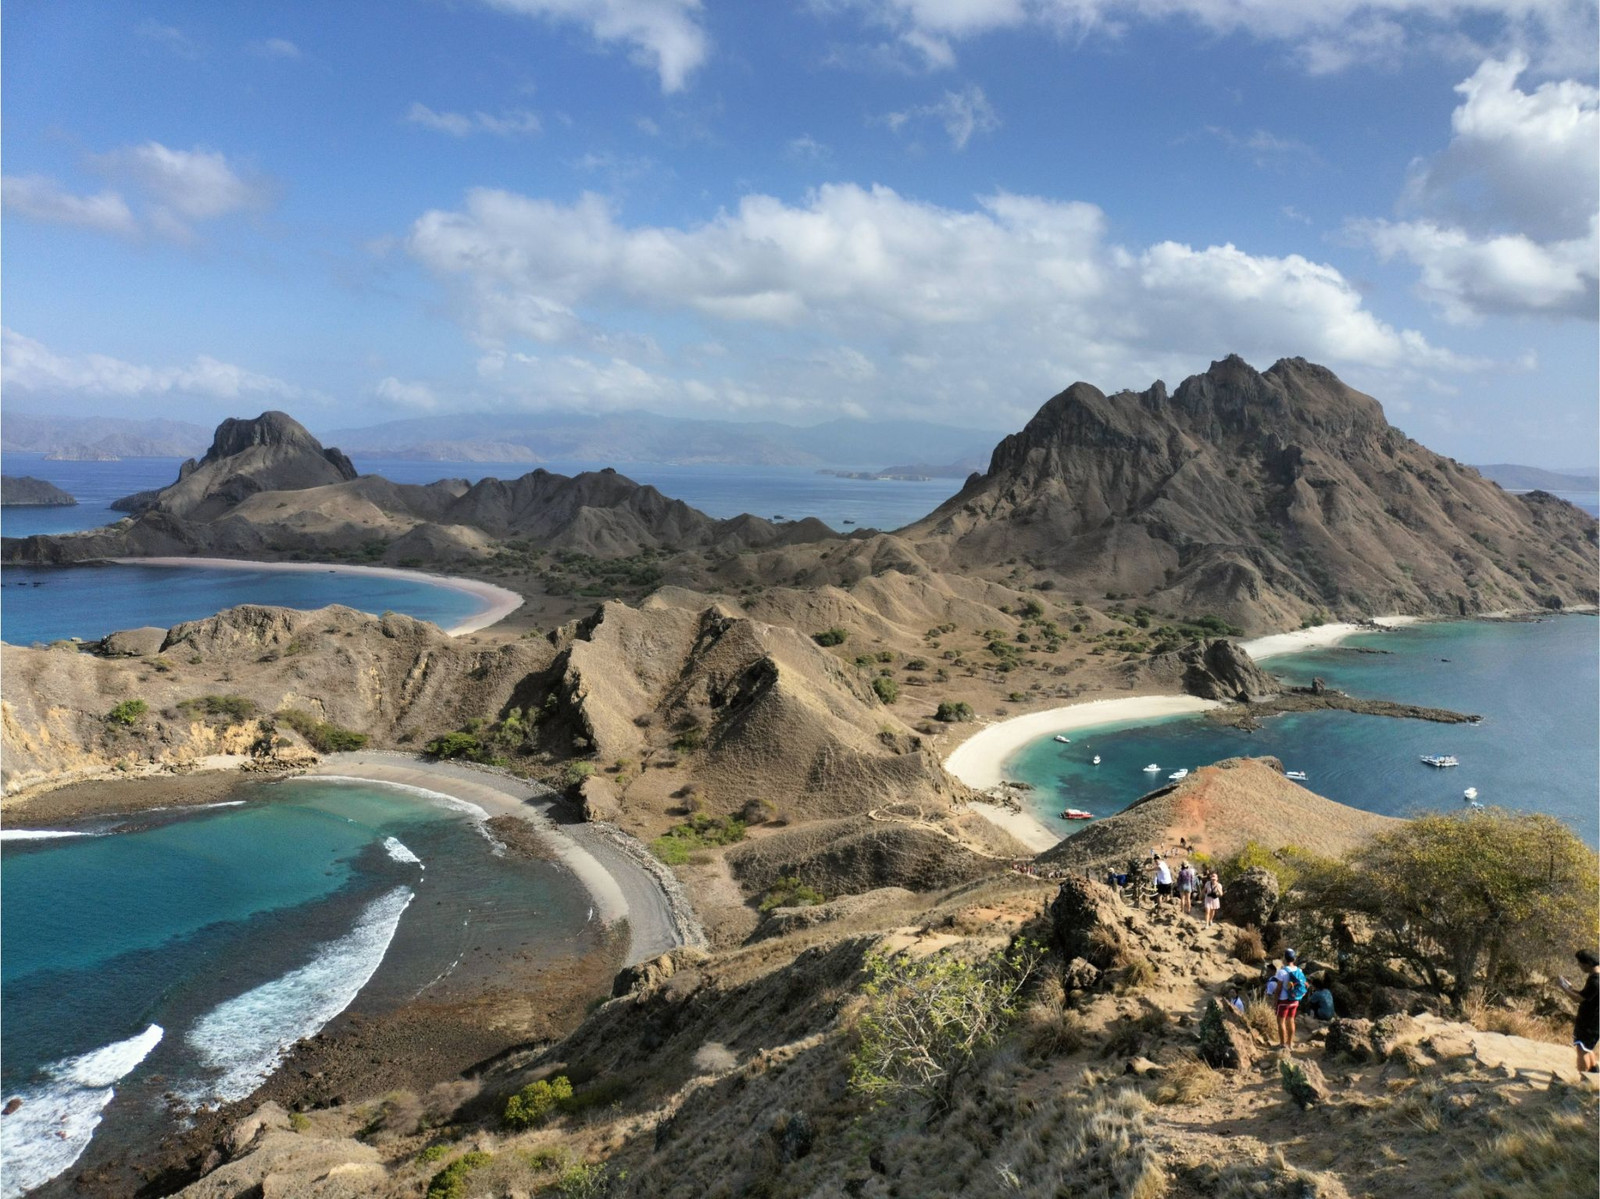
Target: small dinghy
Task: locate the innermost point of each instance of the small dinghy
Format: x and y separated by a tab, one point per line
1077	814
1063	740
1097	759
1470	794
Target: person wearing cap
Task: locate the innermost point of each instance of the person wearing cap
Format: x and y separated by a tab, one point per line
1586	1027
1288	987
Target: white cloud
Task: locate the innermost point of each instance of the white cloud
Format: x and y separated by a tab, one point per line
1266	149
662	35
43	199
278	47
1327	35
859	294
961	113
30	367
403	394
170	38
506	124
1509	208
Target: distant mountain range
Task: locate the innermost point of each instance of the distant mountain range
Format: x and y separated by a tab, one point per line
1532	478
101	438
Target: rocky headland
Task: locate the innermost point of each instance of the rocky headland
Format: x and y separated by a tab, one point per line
24	491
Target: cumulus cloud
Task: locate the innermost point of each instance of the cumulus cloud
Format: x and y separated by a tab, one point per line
1327	35
1507	211
662	35
279	47
860	293
458	124
961	113
30	367
405	394
40	198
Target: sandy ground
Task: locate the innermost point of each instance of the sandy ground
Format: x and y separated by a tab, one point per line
1278	644
621	884
499	602
1024	826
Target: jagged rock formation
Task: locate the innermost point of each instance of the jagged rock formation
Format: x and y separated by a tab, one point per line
273	452
1216	669
24	491
1262	497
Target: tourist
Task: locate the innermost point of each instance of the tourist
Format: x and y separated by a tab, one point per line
1212	895
1320	1002
1163	881
1586	1027
1235	1002
1288	987
1186	885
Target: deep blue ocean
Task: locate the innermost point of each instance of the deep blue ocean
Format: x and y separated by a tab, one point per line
1536	685
182	950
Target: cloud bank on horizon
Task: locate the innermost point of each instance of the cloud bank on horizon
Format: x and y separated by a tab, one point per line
941	209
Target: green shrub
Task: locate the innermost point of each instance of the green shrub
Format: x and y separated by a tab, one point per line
432	1154
129	711
954	713
886	689
675	846
451	1182
790	892
232	708
688	741
582	1181
321	735
534	1104
833	636
576	772
454	745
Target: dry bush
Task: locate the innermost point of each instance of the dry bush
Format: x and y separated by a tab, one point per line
1049	1031
1549	1156
397	1114
1247	946
1262	1018
442	1100
1517	1022
1274	1178
714	1058
1187	1080
1138	974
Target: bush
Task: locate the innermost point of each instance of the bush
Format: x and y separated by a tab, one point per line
886	689
582	1181
451	1182
454	745
129	711
954	713
322	736
535	1103
677	845
576	772
1247	946
790	892
233	708
833	636
929	1021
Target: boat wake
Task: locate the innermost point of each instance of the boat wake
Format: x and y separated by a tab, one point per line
243	1040
57	1117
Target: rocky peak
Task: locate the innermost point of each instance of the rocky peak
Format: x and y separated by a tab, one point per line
271	430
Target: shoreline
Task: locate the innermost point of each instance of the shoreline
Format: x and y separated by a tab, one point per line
499	602
1277	645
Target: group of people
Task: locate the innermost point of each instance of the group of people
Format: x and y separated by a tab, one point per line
1287	989
1187	887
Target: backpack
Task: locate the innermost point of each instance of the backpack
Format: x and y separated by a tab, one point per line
1295	985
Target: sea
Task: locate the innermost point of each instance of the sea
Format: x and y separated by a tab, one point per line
178	953
41	604
1535	683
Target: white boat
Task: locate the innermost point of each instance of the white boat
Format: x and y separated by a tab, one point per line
1063	740
1298	776
1181	773
1441	760
1097	759
1470	794
1152	768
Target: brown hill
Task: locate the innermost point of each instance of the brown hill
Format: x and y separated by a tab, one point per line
24	491
1264	497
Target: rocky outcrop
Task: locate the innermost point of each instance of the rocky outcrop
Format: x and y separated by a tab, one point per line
1263	497
1087	923
24	491
1251	900
1216	669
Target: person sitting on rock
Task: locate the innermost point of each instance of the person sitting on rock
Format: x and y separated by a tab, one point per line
1320	1003
1586	1026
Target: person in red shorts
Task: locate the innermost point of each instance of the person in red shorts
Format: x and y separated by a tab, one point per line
1291	988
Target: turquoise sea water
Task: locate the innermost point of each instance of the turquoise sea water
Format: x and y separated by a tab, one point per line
183	950
1535	684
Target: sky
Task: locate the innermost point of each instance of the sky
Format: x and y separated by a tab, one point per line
797	210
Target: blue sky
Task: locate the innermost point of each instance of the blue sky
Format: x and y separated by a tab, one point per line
801	209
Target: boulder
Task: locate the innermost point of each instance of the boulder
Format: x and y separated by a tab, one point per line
1080	975
1251	899
1225	1042
642	976
133	643
1349	1038
599	799
1304	1081
793	1135
1393	1032
1085	917
289	1165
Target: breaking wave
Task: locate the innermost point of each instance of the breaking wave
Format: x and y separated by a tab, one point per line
397	850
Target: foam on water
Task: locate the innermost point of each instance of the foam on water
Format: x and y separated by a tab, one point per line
58	1117
36	834
244	1039
397	850
480	817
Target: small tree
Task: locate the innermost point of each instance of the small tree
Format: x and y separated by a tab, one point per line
128	712
1471	899
833	636
533	1104
954	713
886	689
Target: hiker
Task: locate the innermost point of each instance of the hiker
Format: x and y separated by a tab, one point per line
1186	886
1212	895
1235	1002
1163	881
1320	1002
1586	1027
1288	987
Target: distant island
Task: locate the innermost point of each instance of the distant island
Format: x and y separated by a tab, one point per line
1532	478
916	472
24	491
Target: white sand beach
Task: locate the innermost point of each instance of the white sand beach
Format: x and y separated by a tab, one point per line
499	602
1024	826
1277	644
978	760
620	884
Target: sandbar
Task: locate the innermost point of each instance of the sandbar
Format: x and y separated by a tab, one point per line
1276	645
499	602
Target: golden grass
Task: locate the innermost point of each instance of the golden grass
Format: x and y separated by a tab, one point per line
1247	946
1555	1157
1187	1080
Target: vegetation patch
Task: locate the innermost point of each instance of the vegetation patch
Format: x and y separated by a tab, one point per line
128	712
451	1182
790	892
675	846
323	736
957	712
231	709
536	1102
833	636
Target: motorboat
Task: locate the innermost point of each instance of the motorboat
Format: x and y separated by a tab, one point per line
1470	794
1152	769
1076	814
1298	776
1097	759
1181	773
1441	760
1063	740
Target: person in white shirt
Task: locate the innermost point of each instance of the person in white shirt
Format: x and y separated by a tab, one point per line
1163	880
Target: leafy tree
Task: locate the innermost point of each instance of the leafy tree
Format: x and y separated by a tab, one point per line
953	713
1471	899
833	636
886	689
453	745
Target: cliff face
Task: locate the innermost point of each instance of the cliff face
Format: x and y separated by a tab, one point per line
1263	497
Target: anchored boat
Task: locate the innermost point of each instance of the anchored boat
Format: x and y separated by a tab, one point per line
1441	760
1076	814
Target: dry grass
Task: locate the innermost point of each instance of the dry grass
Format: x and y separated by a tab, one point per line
1247	946
1048	1030
1516	1022
1138	974
1274	1178
1187	1080
1262	1017
1550	1158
